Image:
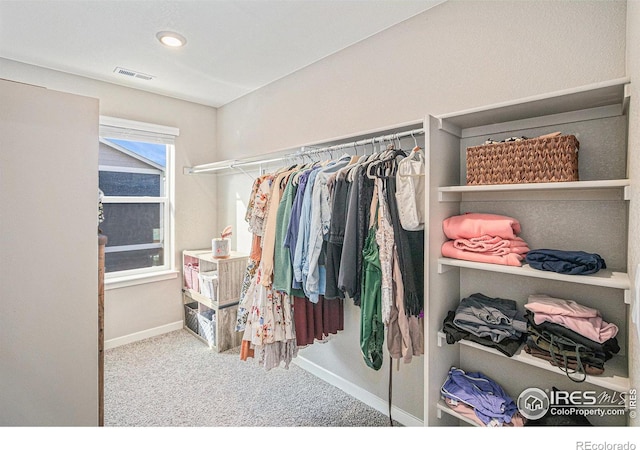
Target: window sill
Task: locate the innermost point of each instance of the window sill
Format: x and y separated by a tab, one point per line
134	280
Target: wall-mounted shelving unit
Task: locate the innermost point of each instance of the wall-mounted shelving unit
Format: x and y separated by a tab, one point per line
589	215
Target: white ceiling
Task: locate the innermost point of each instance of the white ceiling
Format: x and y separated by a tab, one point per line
233	46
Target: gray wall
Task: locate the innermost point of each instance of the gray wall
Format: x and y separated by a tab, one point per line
633	70
456	56
48	317
131	311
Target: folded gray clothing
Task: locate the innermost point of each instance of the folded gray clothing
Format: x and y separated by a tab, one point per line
494	318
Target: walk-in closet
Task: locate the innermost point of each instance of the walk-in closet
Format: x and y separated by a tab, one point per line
415	214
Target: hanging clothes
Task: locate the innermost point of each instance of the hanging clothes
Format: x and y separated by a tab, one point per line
371	326
269	326
386	244
265	317
283	275
324	233
410	190
405	337
356	231
293	226
269	239
406	332
410	247
341	189
255	215
257	209
315	322
300	262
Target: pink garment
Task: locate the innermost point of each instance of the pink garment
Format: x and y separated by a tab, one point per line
510	259
579	318
492	245
517	420
473	225
464	410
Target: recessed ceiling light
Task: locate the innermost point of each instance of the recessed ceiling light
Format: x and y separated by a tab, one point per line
171	39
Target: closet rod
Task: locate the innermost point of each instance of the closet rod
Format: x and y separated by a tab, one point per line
385	138
304	151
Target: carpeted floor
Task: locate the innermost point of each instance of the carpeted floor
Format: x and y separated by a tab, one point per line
175	380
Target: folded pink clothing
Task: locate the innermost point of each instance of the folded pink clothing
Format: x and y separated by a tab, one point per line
473	225
492	245
517	420
464	410
583	320
510	259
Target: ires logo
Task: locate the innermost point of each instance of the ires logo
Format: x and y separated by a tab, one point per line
577	398
590	398
535	403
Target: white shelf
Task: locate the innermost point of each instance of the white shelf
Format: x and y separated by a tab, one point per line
604	277
590	99
198	297
442	407
454	193
615	376
592	108
207	255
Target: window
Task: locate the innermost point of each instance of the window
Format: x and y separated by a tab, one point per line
135	167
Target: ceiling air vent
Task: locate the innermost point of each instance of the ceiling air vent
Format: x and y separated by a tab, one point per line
133	73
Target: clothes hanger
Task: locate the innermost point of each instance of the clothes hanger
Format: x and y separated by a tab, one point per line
350	175
303	168
342	172
416	152
374	165
381	167
387	164
338	164
354	159
415	141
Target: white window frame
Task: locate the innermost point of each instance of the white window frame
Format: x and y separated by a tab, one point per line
116	128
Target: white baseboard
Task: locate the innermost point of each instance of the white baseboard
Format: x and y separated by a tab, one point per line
366	397
151	332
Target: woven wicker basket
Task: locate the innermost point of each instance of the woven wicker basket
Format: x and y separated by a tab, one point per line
538	160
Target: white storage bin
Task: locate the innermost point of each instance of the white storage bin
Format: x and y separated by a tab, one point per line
207	325
209	284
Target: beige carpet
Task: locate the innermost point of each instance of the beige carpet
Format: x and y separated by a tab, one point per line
175	380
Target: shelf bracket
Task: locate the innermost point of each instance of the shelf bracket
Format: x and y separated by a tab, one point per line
449	128
443	268
627	98
243	171
441	338
627	296
449	197
627	193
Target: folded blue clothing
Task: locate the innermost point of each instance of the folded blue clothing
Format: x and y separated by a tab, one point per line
566	262
488	399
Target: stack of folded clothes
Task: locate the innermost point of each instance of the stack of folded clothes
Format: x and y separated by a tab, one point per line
566	262
479	398
571	336
492	322
489	238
